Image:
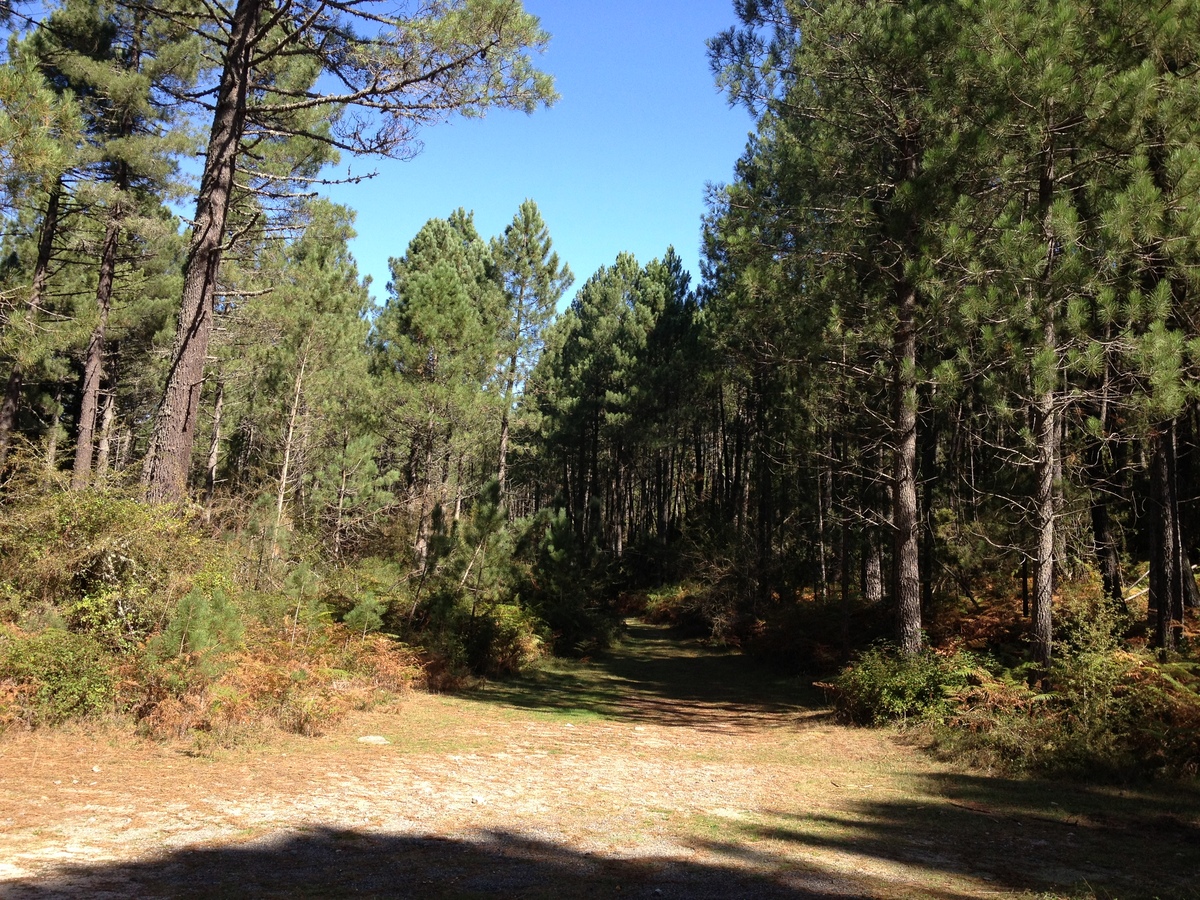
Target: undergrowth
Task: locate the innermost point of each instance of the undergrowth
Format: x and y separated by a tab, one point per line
1104	709
110	607
113	607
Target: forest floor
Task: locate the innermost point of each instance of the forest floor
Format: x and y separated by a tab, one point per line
663	769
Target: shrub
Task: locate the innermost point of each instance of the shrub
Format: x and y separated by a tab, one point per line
1113	714
304	688
203	622
99	562
65	675
504	641
883	685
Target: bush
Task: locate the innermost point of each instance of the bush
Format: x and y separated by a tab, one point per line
303	688
64	675
1113	714
99	562
504	641
884	686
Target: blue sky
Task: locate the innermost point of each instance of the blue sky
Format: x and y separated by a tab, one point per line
619	163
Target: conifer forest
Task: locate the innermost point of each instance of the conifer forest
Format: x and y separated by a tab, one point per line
924	429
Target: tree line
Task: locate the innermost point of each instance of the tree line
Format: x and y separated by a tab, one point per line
943	345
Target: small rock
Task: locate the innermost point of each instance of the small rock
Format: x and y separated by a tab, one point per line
373	739
95	768
479	801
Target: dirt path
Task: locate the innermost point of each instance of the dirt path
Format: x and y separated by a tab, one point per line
663	770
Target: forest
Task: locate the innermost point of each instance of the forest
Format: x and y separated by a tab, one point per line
926	427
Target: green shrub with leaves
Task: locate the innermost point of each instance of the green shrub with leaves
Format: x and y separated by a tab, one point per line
69	675
99	562
883	685
504	641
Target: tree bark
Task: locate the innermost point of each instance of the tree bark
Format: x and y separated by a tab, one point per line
288	446
872	569
168	460
928	443
906	576
104	444
1046	426
1166	557
214	453
1046	509
93	368
53	433
509	387
1100	466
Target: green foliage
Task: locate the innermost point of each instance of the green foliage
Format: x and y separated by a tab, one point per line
577	611
38	128
70	674
203	622
100	561
1099	714
366	616
505	640
885	686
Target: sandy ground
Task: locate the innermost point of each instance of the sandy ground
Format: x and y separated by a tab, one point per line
659	772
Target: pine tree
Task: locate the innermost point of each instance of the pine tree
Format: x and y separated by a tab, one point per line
121	65
533	282
862	98
467	55
436	344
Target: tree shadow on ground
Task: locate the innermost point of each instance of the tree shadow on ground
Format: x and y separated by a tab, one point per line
958	836
1014	834
657	676
326	862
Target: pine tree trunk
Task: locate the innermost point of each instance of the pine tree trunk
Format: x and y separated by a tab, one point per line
53	433
168	460
104	444
341	507
214	453
1046	426
1045	509
872	507
509	387
11	401
873	570
928	442
93	367
9	405
1166	581
1191	592
1100	469
421	547
907	578
288	448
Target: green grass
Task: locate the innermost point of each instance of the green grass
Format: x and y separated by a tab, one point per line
646	677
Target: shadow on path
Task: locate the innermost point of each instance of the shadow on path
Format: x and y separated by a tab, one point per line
326	862
1015	834
657	676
